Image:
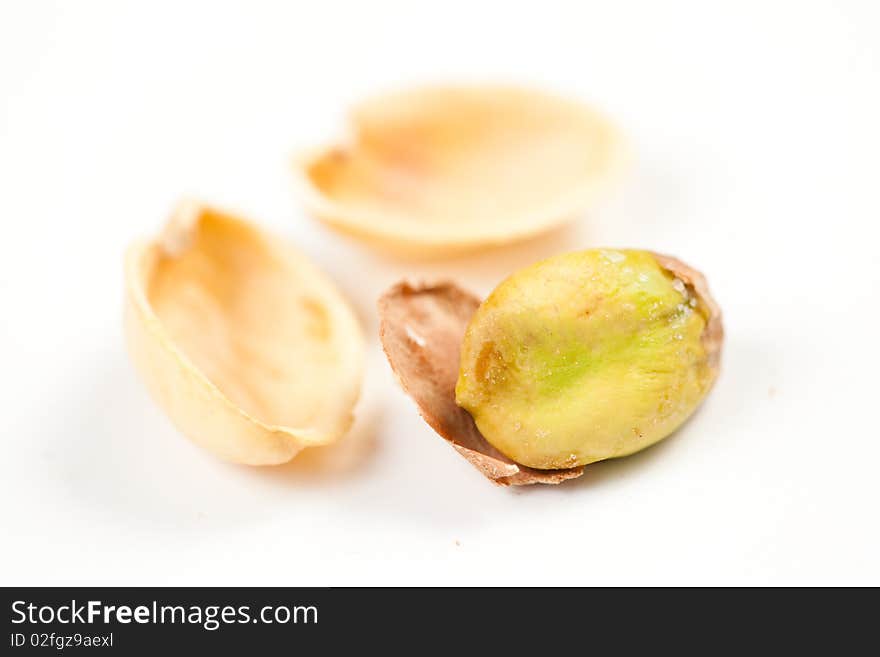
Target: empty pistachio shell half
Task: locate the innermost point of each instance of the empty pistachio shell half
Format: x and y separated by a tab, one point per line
421	328
250	349
581	357
448	168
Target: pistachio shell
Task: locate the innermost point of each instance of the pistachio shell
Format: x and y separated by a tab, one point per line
250	349
421	328
443	169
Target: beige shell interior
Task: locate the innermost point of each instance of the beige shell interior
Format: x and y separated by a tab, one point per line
457	167
249	348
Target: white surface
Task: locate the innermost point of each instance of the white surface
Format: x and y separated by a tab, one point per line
758	142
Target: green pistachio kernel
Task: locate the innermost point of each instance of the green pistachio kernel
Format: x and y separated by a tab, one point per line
587	356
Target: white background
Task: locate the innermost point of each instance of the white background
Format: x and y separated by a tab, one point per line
756	127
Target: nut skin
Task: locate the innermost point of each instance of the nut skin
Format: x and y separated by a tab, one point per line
589	355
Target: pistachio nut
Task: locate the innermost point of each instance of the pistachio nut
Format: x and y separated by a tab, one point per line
582	357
